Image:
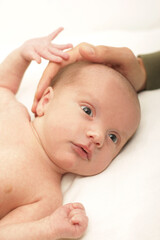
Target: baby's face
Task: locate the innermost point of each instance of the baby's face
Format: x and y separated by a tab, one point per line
86	123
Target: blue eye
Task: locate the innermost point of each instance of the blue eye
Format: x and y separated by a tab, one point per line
87	110
113	137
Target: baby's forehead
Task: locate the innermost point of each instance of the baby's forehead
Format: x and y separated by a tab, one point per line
93	74
80	70
108	76
95	70
102	81
99	75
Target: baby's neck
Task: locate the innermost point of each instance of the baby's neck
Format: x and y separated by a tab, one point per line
56	171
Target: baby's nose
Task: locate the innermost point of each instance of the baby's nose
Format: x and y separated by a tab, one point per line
96	137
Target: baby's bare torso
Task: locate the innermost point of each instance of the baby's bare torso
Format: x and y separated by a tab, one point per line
25	176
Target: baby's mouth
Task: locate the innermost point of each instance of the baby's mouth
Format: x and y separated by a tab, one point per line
83	151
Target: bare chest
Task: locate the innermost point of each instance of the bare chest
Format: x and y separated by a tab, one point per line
24	179
24	175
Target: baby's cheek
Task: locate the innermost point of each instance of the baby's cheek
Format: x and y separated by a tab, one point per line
68	162
117	151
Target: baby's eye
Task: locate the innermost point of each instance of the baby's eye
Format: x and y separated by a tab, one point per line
87	110
113	137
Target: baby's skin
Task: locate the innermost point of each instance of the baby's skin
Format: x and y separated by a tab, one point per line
82	122
30	189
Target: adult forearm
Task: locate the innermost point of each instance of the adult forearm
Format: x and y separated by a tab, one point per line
38	230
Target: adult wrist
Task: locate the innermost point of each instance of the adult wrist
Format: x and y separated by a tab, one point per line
152	67
144	75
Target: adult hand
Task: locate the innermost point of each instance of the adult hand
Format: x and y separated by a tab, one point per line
121	59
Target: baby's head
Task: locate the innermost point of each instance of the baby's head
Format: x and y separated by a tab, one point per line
87	117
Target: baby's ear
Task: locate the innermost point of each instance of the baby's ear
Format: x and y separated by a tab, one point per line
43	102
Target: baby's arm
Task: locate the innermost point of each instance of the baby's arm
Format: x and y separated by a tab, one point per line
14	66
68	221
25	231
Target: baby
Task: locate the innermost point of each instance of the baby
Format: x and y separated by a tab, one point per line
83	121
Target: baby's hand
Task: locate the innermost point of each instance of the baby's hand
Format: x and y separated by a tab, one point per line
38	48
68	221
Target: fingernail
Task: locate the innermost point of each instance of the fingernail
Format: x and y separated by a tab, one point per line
89	50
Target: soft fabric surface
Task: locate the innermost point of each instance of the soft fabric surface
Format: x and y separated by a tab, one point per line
122	202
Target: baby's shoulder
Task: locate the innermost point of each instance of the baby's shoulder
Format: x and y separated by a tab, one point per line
5	95
9	105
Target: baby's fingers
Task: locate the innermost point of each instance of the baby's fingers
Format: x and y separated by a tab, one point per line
52	56
78	214
80	219
63	46
36	57
75	213
54	34
57	52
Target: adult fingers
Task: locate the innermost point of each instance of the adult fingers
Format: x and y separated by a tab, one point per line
105	54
